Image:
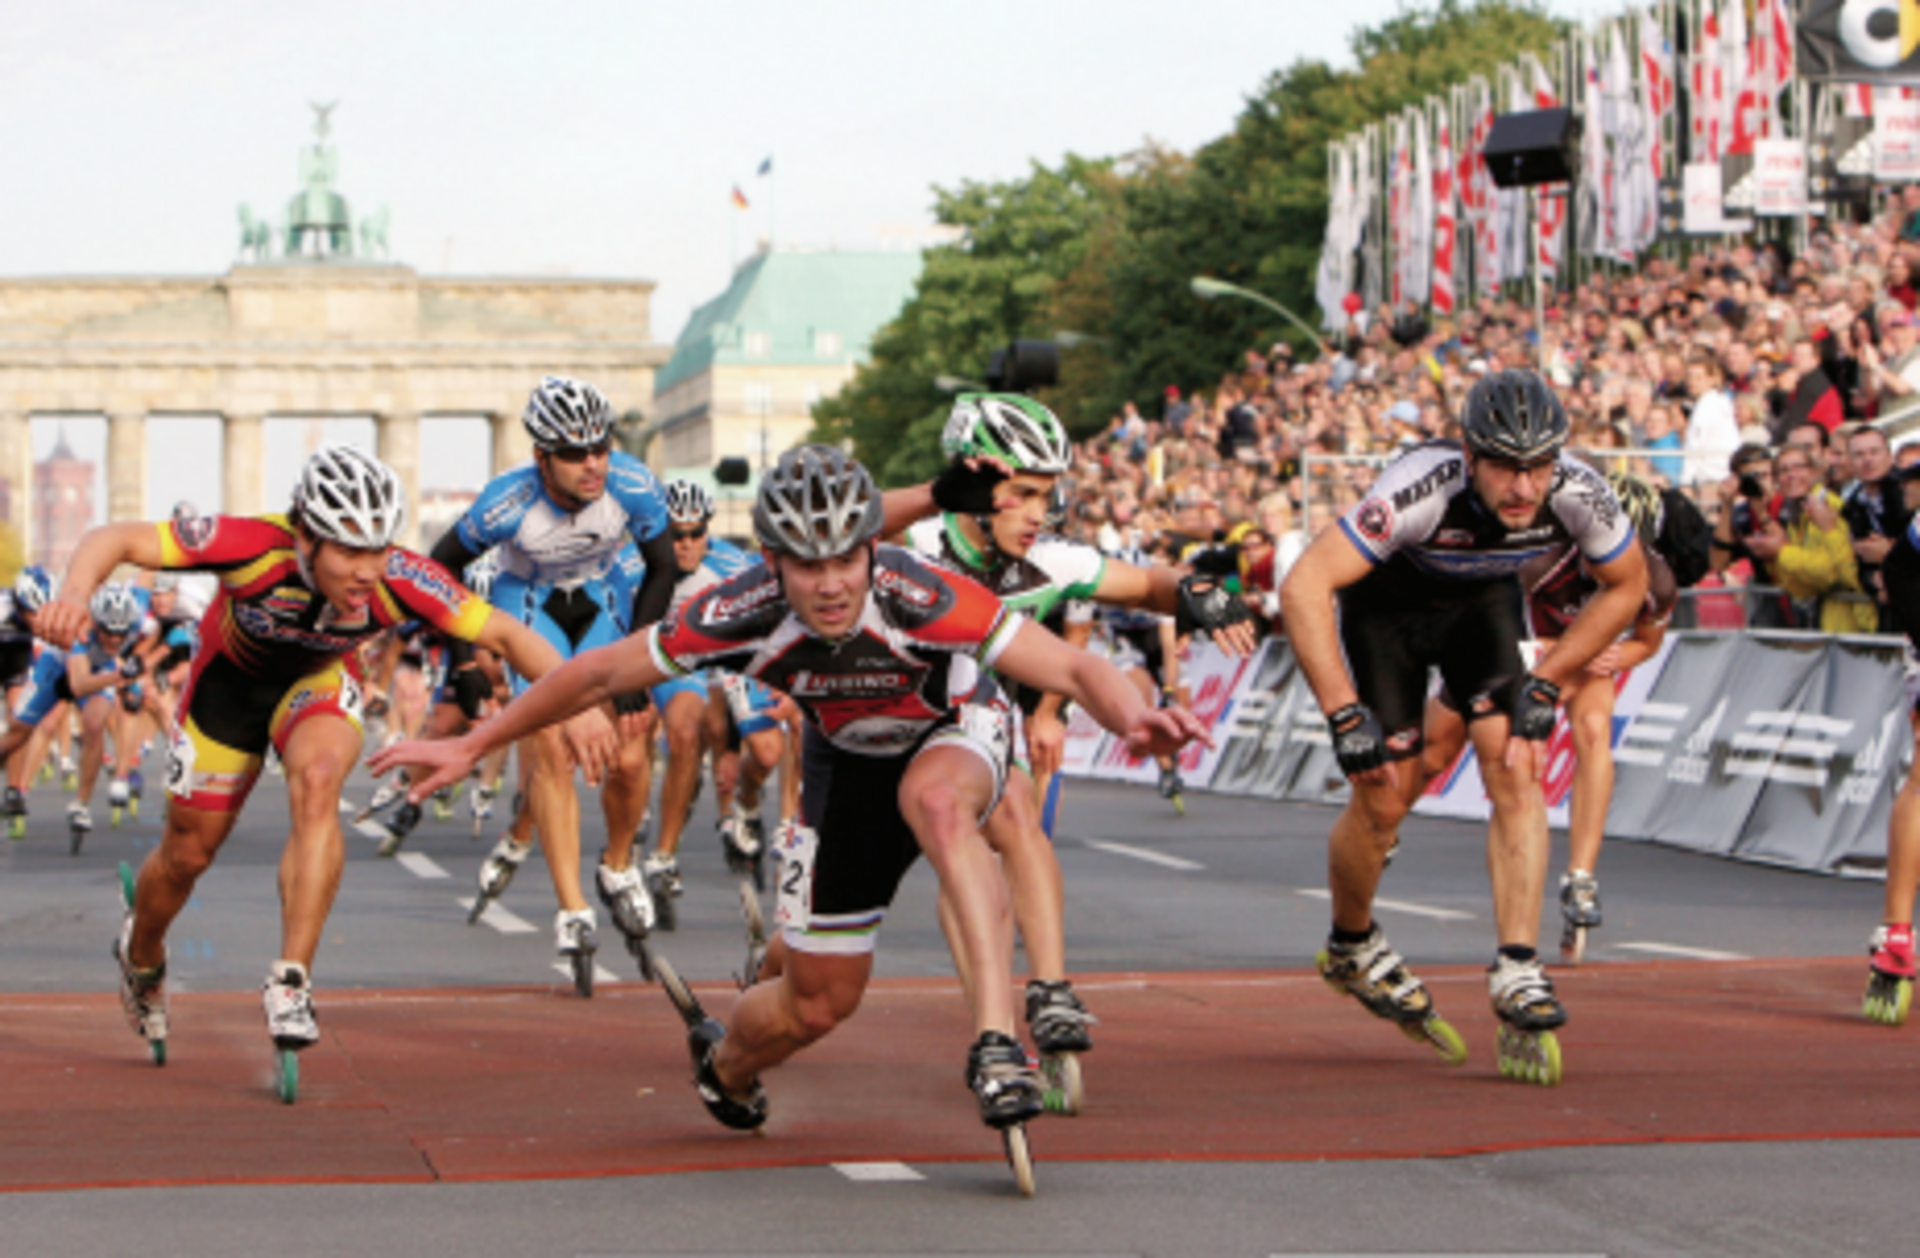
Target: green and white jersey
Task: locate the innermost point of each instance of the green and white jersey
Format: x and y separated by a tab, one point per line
1054	571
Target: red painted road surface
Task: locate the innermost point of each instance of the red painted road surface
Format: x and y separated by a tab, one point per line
526	1083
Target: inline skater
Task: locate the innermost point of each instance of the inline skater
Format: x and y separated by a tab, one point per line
299	593
95	667
1557	587
1891	963
1420	574
560	524
31	685
1006	456
907	751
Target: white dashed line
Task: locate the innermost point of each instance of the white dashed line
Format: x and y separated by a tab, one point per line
1691	954
1143	854
877	1172
601	975
503	920
1397	906
421	865
370	830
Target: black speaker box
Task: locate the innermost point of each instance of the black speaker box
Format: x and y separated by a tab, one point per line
1532	148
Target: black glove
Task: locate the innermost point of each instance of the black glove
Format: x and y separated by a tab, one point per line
1359	741
130	668
1533	711
632	702
471	690
966	490
1206	604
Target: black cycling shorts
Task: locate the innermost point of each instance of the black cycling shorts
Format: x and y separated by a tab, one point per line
1396	625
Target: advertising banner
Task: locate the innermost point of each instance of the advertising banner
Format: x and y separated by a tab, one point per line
1896	137
1854	41
1779	177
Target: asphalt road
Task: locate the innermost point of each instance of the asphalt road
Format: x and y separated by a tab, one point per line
1234	884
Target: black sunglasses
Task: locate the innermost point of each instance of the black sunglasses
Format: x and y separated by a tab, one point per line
687	535
580	454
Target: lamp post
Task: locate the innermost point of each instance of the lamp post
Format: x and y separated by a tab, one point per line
1207	288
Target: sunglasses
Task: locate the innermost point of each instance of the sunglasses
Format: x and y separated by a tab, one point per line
580	454
687	535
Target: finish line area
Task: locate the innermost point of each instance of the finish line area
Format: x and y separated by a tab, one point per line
1227	1087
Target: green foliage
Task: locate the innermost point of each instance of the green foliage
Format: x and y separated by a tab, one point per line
1108	248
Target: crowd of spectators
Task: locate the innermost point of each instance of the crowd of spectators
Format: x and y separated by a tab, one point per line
1773	390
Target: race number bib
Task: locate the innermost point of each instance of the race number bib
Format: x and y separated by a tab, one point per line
793	908
180	756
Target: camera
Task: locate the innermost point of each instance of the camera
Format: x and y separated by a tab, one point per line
1750	486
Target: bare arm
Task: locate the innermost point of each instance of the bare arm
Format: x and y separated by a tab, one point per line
531	655
1155	589
100	551
1038	658
1623	593
1330	564
1076	636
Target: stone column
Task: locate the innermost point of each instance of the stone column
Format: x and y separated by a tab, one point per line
16	469
511	444
243	465
398	438
126	466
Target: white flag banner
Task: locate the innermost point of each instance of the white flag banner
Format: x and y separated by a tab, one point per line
1779	177
1420	215
1896	136
1705	212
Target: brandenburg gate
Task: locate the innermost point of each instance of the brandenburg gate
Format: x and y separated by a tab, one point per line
304	325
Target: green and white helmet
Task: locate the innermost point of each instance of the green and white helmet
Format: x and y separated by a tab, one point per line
1010	427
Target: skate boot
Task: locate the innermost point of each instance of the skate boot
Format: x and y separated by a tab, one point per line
1890	979
398	827
756	936
1172	788
15	810
662	875
1580	906
1009	1092
443	804
1529	1013
383	795
143	993
1058	1023
288	997
117	797
496	873
69	775
624	892
136	783
480	801
575	938
79	825
742	1111
1374	974
740	840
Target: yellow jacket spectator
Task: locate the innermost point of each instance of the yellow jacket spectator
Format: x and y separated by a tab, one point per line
1808	550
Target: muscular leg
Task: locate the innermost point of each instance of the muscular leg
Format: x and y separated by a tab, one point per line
1903	844
188	845
778	1017
1032	871
1517	846
1590	711
1357	849
685	720
623	797
93	744
555	812
320	752
761	754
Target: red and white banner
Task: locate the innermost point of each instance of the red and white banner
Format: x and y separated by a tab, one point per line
1779	177
1443	222
1896	135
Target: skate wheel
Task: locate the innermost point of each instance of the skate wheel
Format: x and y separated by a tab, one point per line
1066	1091
74	840
1438	1034
582	963
1530	1056
114	817
643	957
678	992
1019	1157
1573	945
479	906
1321	962
666	913
127	884
133	808
16	828
159	1050
1889	1000
287	1077
1180	804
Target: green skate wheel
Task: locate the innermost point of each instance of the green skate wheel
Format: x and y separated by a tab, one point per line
16	828
133	806
127	884
1889	1000
159	1050
1019	1157
1530	1056
1438	1034
114	816
288	1075
1322	960
1066	1091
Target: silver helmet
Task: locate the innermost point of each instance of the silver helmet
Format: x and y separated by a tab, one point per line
350	497
114	608
562	411
817	503
688	503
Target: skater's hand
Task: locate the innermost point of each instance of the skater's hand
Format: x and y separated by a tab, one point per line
1164	731
593	743
1046	743
62	620
431	765
635	727
1607	663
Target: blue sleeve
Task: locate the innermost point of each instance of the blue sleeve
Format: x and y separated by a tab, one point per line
495	515
638	490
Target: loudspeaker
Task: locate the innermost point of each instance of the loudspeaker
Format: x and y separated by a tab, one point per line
732	470
1532	148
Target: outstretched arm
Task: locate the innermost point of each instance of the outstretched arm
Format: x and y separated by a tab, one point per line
1039	659
100	551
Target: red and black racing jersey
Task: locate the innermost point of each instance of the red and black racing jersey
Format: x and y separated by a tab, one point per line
916	651
1560	585
270	620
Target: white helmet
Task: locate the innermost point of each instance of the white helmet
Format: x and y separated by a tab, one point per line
562	411
114	608
1010	427
688	503
817	503
348	496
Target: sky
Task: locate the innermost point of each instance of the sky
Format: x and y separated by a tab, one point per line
588	137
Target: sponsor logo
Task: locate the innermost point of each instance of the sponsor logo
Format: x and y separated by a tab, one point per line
1870	766
195	532
809	684
905	587
288	601
1444	474
719	609
1375	520
1690	766
1453	537
259	624
424	575
508	508
1531	535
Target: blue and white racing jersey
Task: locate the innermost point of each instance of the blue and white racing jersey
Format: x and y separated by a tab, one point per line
542	543
723	560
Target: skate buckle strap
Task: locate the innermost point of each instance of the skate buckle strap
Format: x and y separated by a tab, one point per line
1523	984
1379	962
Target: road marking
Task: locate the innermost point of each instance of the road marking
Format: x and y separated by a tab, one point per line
877	1172
1143	854
505	921
601	975
1692	954
421	865
1398	906
370	830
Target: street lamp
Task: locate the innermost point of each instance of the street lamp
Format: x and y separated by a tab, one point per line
1207	288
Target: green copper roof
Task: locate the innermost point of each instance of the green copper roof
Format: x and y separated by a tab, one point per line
797	302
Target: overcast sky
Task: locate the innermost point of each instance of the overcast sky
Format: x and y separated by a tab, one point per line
588	138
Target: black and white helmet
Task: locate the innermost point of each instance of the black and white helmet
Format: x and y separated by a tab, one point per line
1513	415
349	497
562	411
817	503
114	608
688	503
